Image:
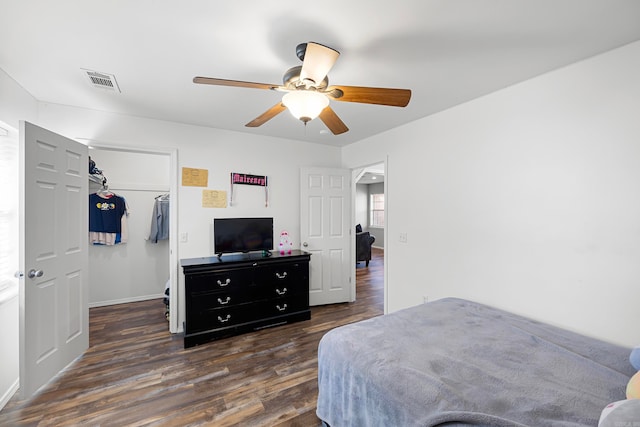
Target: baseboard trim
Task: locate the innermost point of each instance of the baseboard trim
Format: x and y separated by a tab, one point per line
6	397
124	300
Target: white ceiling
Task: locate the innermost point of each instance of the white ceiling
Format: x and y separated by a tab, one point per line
446	51
371	178
372	174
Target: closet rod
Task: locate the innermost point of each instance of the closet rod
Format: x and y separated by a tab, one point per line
133	187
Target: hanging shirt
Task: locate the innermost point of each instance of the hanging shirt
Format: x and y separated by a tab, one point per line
105	214
160	221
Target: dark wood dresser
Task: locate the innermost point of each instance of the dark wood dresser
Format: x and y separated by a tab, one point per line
232	294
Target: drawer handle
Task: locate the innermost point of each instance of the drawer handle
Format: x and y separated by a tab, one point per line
281	276
283	308
221	320
281	292
226	282
224	302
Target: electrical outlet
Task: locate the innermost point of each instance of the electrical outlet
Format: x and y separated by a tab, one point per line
425	299
403	238
184	237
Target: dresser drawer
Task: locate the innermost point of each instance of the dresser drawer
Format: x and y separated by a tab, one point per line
285	305
227	280
198	302
280	290
222	317
293	275
216	297
204	300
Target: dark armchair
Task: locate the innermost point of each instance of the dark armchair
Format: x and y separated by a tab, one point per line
364	240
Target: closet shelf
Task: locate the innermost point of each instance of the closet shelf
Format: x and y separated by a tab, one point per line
100	179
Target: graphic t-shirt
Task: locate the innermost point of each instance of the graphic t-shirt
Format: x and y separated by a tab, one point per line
105	214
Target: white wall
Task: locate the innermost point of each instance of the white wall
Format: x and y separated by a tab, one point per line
9	356
9	300
15	105
362	205
527	199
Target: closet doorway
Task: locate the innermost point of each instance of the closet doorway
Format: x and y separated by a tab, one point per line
140	268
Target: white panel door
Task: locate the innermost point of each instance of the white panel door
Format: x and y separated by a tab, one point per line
325	212
54	313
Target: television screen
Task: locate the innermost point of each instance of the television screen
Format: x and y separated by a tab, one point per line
242	235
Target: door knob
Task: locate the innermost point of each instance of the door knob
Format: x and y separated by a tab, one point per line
35	273
305	244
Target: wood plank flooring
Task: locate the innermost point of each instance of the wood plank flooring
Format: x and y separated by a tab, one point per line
136	373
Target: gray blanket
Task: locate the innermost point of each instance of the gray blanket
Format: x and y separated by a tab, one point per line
455	362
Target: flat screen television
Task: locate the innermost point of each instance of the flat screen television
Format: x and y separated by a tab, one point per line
232	235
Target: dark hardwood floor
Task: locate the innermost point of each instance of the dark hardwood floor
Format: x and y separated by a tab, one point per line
136	373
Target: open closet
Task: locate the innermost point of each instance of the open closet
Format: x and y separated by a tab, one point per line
135	266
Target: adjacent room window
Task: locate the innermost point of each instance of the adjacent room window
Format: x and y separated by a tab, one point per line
376	209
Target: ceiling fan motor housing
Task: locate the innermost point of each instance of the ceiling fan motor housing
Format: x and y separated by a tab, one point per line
301	49
291	80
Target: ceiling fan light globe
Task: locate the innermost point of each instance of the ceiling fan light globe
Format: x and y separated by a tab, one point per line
305	105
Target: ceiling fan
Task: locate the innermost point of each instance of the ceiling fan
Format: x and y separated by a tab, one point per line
307	90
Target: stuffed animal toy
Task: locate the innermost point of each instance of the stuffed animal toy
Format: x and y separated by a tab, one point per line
620	413
285	244
625	412
634	358
633	387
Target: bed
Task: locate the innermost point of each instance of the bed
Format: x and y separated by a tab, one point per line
453	362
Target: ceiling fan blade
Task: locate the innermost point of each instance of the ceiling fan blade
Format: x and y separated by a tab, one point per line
234	83
267	115
318	60
332	121
370	95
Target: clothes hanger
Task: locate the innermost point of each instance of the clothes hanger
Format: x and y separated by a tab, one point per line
105	192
